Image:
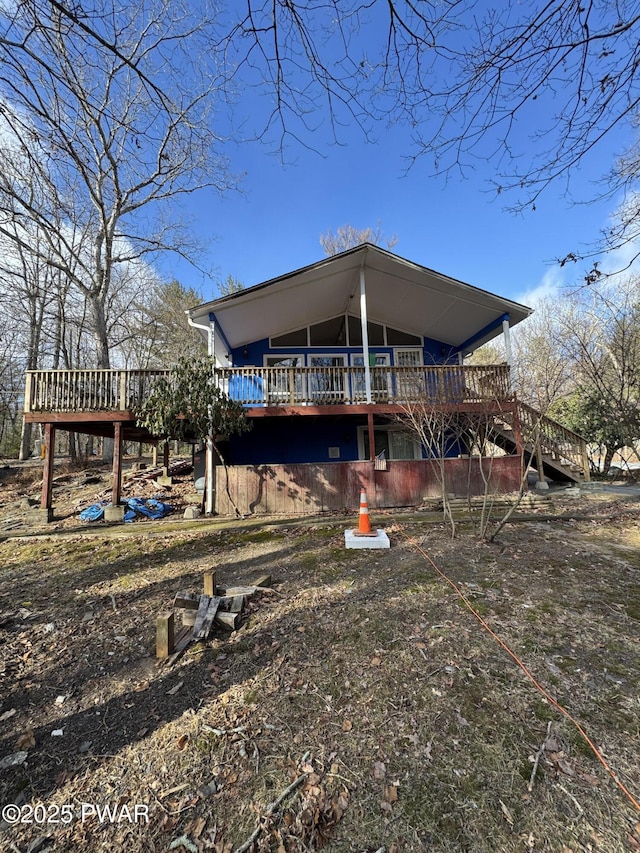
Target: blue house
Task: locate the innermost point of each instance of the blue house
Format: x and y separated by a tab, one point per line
325	358
331	362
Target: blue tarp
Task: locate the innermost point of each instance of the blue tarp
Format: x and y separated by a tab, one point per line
246	389
147	507
94	512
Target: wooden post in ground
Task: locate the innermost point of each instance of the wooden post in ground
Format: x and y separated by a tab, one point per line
47	475
210	583
165	634
116	491
372	441
542	482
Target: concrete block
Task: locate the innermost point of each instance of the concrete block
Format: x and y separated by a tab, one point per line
114	513
164	480
41	516
192	512
380	540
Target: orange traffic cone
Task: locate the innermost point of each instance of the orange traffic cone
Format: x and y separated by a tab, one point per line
364	525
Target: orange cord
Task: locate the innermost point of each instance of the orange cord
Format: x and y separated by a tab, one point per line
523	667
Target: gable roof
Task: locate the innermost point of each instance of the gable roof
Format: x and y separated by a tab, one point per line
400	293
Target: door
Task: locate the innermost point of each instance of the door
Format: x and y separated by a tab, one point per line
409	380
326	380
285	383
379	378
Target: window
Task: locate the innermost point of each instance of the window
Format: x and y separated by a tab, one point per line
396	338
326	382
285	384
375	333
330	333
345	330
291	339
394	442
379	378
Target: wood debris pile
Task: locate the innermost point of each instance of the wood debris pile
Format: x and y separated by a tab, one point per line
217	606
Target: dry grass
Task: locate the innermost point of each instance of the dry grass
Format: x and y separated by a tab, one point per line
414	729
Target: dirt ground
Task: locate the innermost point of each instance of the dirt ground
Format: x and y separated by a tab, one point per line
361	706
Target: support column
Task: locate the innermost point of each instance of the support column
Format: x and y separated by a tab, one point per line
365	337
542	484
46	503
115	512
209	504
506	331
372	439
116	491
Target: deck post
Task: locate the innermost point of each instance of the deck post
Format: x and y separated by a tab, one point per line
47	475
507	345
365	336
28	391
372	439
210	473
116	491
586	471
542	484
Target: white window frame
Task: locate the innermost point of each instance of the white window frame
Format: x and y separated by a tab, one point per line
276	396
380	393
337	396
363	430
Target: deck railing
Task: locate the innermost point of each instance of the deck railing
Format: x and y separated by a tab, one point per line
556	440
87	390
122	390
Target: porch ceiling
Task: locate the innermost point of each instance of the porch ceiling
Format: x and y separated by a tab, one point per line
400	293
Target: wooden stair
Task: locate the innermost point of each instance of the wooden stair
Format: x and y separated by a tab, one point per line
564	452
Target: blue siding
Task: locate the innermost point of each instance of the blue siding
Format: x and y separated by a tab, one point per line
282	440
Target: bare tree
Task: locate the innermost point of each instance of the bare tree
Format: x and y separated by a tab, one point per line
543	369
154	331
603	345
347	237
116	123
467	81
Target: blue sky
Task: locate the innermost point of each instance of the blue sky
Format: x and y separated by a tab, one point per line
456	227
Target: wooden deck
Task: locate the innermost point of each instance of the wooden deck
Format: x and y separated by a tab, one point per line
54	395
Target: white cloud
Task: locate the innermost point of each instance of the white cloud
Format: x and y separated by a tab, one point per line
554	279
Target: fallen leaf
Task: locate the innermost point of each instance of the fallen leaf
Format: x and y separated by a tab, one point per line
376	661
565	767
199	825
385	806
182	741
391	793
507	814
347	725
7	714
379	770
26	740
175	689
